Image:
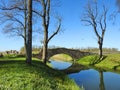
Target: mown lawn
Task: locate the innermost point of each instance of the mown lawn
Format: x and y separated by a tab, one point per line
15	74
111	61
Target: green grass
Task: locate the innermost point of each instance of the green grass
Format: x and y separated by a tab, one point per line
63	57
87	60
112	61
15	74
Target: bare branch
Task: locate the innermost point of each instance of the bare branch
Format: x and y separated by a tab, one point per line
48	12
87	21
92	17
100	22
36	12
57	30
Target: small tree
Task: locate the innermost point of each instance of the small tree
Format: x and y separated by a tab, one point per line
97	20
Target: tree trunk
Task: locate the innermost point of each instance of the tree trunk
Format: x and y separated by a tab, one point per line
100	42
25	49
25	30
29	41
44	58
100	51
45	47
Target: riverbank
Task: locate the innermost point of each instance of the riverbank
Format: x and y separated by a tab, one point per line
15	74
111	61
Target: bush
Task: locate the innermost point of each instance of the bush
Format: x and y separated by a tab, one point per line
1	55
20	55
10	55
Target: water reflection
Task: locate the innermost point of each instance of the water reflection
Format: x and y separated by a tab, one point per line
74	68
60	65
97	80
101	86
91	79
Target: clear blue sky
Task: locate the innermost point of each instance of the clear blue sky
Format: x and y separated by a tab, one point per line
76	34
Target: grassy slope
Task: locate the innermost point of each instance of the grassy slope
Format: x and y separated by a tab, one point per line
63	57
15	74
112	61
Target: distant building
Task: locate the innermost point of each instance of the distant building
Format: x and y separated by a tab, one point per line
12	52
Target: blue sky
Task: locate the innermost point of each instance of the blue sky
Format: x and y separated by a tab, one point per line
75	34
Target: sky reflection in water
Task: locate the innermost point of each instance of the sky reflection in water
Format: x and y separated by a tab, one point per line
91	79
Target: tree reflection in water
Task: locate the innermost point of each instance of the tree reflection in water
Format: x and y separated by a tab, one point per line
92	78
101	85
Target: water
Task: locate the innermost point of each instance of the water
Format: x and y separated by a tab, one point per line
97	80
92	79
60	65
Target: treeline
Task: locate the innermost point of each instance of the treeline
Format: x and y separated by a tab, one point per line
96	50
36	49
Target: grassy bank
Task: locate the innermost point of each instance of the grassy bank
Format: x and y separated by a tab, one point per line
63	57
111	61
15	74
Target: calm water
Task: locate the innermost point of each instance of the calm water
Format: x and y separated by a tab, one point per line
60	65
91	79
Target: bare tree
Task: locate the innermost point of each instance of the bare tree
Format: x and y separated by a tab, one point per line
45	15
29	40
14	15
97	21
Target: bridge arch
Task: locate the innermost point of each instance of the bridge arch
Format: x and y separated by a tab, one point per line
74	53
61	56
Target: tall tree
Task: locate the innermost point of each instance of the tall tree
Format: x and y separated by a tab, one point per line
14	15
29	39
97	20
45	15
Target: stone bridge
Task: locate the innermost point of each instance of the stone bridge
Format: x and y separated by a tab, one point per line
74	53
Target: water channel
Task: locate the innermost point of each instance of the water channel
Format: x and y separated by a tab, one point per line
89	78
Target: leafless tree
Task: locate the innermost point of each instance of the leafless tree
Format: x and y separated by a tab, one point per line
14	15
97	20
45	14
18	13
29	40
17	18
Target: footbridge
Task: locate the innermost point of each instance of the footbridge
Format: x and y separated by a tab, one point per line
74	53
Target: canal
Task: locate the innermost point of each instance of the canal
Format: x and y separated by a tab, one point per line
90	78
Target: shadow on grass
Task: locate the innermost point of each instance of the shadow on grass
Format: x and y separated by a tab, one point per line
115	67
37	67
98	60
